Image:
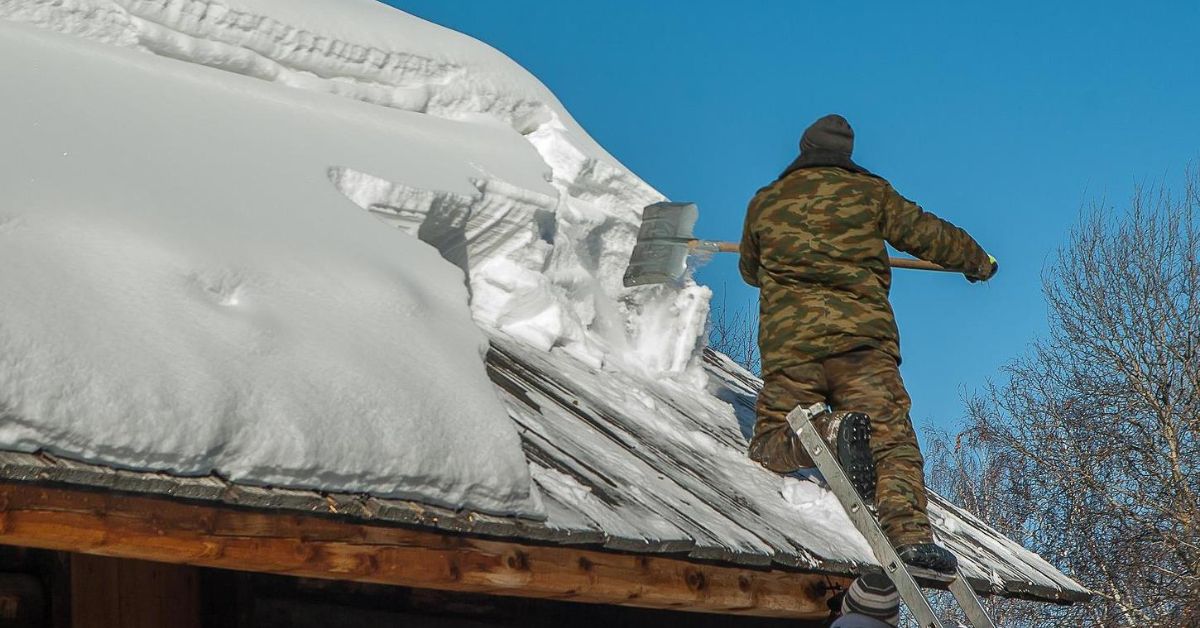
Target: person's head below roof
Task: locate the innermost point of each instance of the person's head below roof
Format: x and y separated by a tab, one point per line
870	602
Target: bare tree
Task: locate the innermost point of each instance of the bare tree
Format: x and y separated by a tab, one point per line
1087	452
733	332
989	481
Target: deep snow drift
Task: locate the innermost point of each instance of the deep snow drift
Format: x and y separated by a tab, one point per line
185	290
190	287
554	281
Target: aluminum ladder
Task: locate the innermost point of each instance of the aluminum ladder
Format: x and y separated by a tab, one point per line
800	420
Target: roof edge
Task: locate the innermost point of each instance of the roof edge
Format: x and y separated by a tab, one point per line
168	530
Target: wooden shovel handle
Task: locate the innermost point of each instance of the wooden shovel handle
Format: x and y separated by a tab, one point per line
896	262
713	245
918	264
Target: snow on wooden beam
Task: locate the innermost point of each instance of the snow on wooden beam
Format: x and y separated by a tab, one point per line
163	530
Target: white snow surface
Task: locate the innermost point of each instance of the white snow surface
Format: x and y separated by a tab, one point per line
185	290
554	282
188	289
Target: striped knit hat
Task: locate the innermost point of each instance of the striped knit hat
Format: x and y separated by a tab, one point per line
875	596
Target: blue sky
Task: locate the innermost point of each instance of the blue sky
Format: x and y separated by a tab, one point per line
1003	118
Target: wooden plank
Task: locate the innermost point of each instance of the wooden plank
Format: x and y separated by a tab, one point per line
108	592
572	431
118	525
94	600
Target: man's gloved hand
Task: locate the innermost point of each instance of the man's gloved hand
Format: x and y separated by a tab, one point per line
985	273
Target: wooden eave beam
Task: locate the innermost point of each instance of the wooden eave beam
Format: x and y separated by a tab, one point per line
171	531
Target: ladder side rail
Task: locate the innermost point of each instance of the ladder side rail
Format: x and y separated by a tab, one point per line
801	421
969	602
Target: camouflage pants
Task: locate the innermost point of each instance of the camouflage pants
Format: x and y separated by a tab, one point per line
864	380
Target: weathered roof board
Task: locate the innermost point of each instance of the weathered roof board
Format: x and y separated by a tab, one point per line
628	465
680	461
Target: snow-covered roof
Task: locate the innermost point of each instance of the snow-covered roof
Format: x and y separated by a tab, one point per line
195	307
185	289
611	477
665	471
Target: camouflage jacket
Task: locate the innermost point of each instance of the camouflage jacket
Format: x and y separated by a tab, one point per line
814	242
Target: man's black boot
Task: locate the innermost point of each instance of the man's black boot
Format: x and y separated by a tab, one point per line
929	556
852	439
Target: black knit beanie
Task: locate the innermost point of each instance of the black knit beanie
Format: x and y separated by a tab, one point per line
828	142
875	596
831	133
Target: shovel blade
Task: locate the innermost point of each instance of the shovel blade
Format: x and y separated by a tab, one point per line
660	255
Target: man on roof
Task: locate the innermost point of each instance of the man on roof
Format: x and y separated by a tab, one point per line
814	242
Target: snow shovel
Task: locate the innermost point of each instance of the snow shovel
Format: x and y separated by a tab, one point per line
665	241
